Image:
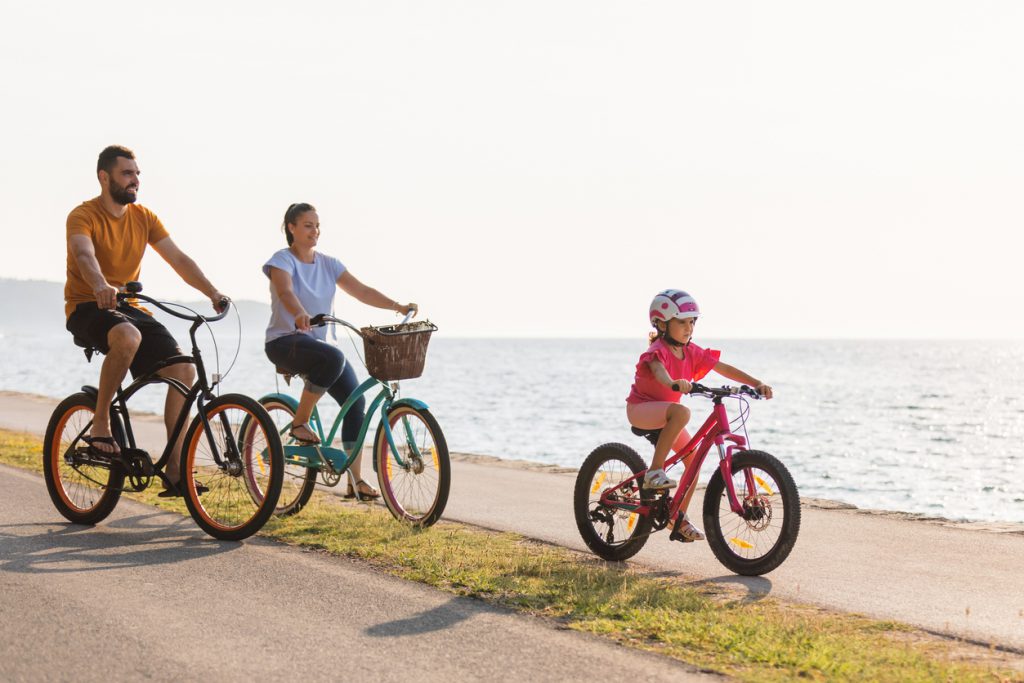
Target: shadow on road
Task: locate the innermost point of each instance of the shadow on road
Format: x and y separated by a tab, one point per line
437	619
757	587
133	541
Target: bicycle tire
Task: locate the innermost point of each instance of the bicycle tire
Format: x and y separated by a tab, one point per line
76	495
598	523
746	547
298	482
229	510
417	492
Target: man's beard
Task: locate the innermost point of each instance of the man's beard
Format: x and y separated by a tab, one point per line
120	194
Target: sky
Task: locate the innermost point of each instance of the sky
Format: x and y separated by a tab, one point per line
804	169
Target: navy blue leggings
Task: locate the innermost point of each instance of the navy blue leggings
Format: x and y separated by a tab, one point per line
325	370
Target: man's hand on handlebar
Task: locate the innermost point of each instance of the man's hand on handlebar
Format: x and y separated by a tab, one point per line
219	301
106	296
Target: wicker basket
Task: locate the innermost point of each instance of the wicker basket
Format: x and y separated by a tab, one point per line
397	351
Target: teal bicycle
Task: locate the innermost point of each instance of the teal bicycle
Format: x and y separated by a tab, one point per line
410	454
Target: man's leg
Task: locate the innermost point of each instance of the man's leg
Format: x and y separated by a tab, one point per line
186	374
124	340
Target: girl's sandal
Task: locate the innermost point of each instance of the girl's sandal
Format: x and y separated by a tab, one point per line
369	493
304	440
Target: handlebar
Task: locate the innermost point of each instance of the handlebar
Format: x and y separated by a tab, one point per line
721	392
134	291
321	319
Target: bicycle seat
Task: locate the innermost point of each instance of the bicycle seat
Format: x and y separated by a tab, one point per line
651	435
87	347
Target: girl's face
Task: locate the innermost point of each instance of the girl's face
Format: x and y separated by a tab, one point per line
681	330
305	230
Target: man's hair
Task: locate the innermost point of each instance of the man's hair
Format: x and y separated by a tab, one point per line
108	157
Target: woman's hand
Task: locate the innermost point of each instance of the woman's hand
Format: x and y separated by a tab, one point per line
406	309
302	322
764	390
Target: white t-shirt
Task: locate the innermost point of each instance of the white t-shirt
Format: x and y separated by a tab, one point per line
313	283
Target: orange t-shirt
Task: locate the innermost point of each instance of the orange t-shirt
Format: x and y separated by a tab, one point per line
119	244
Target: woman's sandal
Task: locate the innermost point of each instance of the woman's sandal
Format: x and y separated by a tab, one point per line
315	441
363	495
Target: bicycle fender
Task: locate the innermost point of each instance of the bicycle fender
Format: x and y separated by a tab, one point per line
283	398
411	402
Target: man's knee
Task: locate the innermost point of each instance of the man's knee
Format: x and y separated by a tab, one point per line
183	372
124	338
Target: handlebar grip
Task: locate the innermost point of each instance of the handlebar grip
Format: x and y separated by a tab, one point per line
317	319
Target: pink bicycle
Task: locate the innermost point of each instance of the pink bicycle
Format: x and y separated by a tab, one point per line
751	506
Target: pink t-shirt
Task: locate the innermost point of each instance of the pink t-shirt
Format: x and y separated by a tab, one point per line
695	363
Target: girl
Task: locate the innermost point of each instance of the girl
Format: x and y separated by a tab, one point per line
663	375
302	284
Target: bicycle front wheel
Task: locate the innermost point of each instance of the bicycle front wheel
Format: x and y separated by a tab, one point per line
218	477
298	481
760	539
82	493
414	481
613	531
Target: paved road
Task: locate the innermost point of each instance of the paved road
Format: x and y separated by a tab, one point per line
948	580
147	595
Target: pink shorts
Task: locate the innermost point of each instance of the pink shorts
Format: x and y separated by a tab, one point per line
653	415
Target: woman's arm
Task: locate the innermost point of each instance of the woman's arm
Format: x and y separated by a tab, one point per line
282	284
370	296
737	375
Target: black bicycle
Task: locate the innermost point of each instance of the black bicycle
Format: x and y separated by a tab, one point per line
229	433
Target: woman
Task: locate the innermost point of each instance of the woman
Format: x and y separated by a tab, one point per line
302	284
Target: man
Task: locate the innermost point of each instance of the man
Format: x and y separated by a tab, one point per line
107	237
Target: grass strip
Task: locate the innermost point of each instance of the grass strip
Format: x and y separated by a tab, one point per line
760	640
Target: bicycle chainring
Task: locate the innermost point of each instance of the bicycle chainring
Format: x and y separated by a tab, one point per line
329	477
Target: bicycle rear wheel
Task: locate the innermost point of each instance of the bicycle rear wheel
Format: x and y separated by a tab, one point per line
414	481
230	510
298	481
613	533
760	539
82	493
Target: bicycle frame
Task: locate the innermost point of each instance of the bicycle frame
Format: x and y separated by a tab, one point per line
339	460
714	432
197	395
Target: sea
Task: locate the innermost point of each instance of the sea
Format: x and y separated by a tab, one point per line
928	427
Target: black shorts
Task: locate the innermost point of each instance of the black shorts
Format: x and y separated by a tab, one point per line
90	324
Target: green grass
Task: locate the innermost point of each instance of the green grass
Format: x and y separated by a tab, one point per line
761	640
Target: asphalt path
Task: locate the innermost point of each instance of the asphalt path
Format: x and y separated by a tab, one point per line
951	579
147	595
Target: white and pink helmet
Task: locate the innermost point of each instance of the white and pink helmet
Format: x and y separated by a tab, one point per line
673	303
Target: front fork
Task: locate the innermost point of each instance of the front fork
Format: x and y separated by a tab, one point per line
725	466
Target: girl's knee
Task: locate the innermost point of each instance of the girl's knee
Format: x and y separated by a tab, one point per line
678	413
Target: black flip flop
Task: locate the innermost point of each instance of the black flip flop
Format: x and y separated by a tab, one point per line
176	493
109	440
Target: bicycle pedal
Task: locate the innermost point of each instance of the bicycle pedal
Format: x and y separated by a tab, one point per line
674	535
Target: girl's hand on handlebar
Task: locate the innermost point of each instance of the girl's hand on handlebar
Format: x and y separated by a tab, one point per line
683	385
764	390
302	322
